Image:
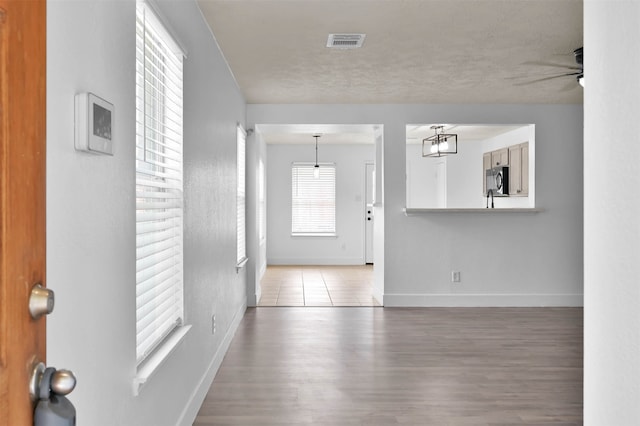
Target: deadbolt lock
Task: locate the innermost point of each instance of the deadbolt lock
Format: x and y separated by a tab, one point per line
41	301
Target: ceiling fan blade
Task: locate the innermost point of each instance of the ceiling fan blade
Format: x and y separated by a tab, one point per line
551	64
547	78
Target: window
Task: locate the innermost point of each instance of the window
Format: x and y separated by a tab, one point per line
241	233
159	184
262	220
313	200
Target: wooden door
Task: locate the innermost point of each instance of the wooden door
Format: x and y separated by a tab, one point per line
22	200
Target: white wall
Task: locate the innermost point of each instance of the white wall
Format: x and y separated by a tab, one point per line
378	223
539	259
421	178
256	247
347	248
91	219
612	213
464	176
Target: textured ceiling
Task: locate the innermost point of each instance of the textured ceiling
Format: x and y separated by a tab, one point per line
330	134
416	51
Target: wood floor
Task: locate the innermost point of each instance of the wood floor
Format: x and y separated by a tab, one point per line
317	286
388	366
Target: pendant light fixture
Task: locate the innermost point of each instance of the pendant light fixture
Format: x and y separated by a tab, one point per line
316	168
440	144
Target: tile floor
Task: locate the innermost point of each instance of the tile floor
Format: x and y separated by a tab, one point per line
317	286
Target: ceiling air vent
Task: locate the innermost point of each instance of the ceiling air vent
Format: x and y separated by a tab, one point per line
345	41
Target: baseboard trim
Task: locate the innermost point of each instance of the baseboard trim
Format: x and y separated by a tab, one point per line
378	295
189	414
350	261
483	300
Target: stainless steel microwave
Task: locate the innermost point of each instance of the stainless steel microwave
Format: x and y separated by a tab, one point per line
497	180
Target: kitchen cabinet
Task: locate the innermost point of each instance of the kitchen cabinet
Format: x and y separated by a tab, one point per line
524	152
500	157
519	170
517	158
490	160
486	165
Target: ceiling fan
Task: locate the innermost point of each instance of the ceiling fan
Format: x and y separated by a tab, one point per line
577	70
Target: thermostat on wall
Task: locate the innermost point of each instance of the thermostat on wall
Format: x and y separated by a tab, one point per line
94	124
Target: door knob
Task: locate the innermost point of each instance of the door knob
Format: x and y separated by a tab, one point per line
41	301
49	387
63	382
49	380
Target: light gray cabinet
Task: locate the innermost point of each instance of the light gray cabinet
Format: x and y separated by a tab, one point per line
519	170
500	157
517	158
486	165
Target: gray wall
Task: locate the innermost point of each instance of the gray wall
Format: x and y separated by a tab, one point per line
256	247
505	259
347	248
612	213
91	216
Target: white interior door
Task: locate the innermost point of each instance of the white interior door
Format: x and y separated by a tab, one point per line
370	176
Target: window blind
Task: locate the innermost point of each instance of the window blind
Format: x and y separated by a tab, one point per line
313	200
261	202
159	184
241	196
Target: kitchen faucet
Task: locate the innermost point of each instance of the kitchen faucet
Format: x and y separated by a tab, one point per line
490	192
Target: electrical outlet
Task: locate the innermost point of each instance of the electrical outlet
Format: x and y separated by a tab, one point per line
213	324
455	276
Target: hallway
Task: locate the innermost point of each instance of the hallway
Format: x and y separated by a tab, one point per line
413	366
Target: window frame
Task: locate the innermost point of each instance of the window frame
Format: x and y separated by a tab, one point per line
307	169
241	197
262	203
159	175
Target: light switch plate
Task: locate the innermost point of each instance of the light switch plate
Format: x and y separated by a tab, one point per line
94	119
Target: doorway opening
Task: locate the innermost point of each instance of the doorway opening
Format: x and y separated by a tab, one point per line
306	267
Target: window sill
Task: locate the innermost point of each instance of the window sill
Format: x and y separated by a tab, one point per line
241	264
153	363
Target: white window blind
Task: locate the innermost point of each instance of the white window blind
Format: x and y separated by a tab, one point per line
159	184
262	220
313	200
241	232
